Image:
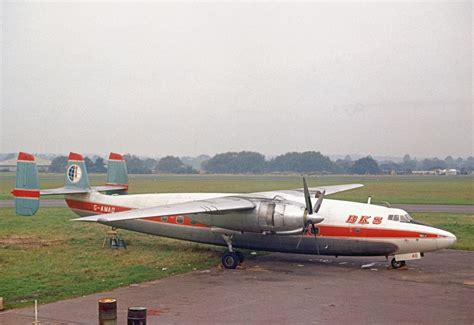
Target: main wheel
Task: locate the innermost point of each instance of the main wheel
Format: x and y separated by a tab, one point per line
397	264
230	260
241	256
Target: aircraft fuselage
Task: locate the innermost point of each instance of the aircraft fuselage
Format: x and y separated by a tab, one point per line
348	228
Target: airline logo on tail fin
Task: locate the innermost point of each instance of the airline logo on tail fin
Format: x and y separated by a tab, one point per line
76	172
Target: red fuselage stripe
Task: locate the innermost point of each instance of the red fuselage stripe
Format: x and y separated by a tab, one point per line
338	231
324	230
95	207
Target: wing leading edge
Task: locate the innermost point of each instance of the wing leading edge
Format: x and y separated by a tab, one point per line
331	189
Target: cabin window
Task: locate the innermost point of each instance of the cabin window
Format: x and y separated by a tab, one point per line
390	217
164	219
396	218
180	219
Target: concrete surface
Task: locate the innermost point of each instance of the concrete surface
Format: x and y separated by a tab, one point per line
296	289
55	203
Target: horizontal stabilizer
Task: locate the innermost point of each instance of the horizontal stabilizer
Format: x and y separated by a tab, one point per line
108	188
64	190
77	190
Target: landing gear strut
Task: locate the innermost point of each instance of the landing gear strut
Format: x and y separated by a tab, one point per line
231	258
397	264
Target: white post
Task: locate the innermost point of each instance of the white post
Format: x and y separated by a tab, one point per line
36	322
369	200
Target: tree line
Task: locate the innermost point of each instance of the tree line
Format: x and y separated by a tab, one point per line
248	162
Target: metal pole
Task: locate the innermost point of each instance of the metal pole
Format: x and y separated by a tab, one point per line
136	316
107	311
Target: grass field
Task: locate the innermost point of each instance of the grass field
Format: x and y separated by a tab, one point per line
48	257
393	189
462	225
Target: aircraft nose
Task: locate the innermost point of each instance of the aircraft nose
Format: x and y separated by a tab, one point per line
446	239
452	238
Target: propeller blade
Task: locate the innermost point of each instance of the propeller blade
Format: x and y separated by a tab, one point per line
305	229
317	205
307	197
299	241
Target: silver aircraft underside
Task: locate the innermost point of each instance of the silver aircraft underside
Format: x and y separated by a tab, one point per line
252	241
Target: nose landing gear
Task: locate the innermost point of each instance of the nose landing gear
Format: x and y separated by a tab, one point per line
231	258
397	264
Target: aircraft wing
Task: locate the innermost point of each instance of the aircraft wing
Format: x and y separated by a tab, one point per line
221	204
331	189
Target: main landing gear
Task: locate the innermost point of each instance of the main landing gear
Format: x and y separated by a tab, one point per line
397	264
231	258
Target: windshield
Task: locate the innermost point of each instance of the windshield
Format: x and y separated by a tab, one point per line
402	218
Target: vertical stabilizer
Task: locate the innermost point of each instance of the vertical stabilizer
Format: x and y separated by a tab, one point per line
26	191
76	172
117	171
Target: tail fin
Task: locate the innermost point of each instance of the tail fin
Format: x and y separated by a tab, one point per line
76	172
26	190
117	172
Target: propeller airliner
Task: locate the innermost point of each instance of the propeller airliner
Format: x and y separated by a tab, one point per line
280	221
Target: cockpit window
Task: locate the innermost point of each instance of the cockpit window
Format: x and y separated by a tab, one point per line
402	218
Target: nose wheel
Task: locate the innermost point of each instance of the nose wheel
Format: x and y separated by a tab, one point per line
397	264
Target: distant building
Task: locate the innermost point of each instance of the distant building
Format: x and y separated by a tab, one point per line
10	165
449	172
424	172
444	172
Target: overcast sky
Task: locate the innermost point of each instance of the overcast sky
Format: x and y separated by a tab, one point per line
201	78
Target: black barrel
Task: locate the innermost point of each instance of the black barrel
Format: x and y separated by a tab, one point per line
136	316
107	311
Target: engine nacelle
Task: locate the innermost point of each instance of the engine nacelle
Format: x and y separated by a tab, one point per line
267	217
280	216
